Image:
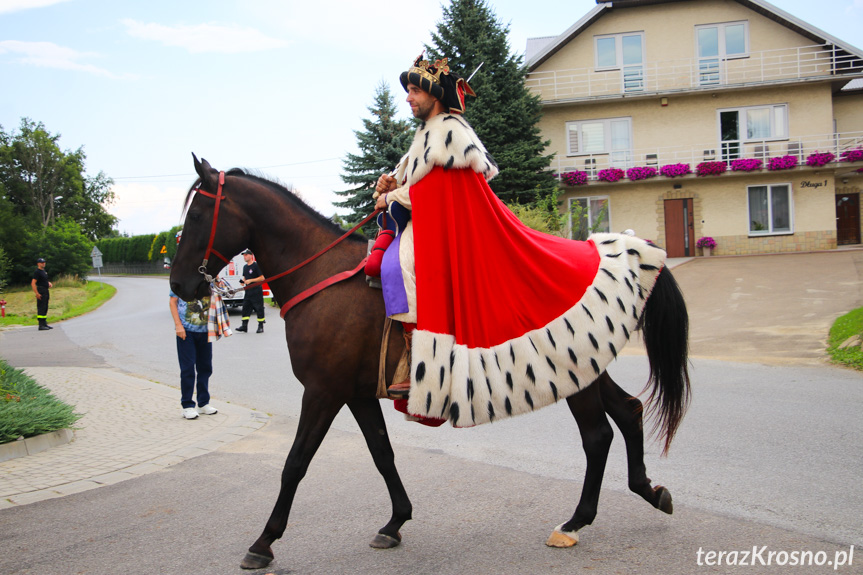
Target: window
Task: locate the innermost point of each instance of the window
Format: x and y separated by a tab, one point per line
717	43
588	215
607	136
770	209
754	123
623	52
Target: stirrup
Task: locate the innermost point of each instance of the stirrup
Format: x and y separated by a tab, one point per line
399	390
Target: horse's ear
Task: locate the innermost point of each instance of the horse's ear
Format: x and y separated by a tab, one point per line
205	171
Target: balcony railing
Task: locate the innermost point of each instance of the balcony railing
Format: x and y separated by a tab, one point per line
694	74
659	156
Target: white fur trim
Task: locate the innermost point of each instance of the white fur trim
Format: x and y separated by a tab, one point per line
470	386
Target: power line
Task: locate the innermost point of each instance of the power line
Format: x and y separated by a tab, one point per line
187	175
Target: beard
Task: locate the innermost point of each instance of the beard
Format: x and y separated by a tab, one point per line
423	111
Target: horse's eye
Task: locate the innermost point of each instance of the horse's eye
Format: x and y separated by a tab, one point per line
194	216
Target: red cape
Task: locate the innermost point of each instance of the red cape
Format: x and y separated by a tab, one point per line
483	276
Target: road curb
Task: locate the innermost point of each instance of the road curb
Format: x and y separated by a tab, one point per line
36	444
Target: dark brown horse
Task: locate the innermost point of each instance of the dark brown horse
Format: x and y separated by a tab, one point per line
334	342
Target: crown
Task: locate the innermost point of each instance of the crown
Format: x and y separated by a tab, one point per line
431	72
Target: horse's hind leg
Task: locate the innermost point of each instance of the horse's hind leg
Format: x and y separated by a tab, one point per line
596	435
315	419
371	421
627	413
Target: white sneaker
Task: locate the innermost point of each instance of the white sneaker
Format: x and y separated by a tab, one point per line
208	410
190	413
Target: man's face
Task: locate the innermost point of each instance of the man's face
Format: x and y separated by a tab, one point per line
40	265
422	103
248	258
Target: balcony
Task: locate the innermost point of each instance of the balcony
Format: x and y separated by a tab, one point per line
807	63
658	156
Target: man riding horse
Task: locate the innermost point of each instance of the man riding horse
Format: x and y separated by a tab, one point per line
504	319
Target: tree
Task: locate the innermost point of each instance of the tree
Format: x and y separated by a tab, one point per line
43	182
382	144
504	114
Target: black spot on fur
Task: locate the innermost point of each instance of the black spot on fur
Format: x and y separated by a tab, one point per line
551	338
551	364
648	267
634	313
416	163
608	242
445	403
601	295
530	339
613	349
569	326
448	139
610	324
451	360
587	311
617	255
553	389
530	374
421	372
490	159
426	155
595	366
634	252
625	331
426	141
482	362
511	353
609	274
620	303
509	380
422	126
469	149
572	356
434	348
442	375
428	402
490	411
528	399
449	163
453	413
488	385
629	285
593	341
574	379
470	389
497	360
472	414
508	406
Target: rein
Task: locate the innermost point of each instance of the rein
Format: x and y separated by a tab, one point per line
218	196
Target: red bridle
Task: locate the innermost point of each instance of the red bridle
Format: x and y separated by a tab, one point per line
301	296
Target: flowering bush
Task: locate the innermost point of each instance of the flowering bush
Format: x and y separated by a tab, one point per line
674	170
818	159
710	168
641	173
782	163
610	175
852	155
576	178
746	165
706	242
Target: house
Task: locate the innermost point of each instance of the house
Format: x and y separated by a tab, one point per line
723	118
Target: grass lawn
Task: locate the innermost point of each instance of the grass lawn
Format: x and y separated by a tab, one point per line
845	327
28	409
69	298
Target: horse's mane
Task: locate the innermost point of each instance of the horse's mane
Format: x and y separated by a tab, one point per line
277	186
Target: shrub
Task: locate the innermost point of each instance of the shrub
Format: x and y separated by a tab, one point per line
675	170
28	409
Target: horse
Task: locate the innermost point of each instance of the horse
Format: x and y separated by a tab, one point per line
334	340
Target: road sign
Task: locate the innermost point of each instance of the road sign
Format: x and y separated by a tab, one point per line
164	250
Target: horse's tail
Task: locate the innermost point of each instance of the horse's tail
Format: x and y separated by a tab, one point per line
665	328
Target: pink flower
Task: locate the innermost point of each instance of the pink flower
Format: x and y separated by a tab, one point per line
610	175
576	178
746	165
641	173
817	159
674	170
781	163
710	168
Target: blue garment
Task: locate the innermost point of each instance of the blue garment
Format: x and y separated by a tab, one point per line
193	315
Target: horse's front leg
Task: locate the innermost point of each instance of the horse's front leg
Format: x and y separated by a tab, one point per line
316	416
371	421
626	412
596	435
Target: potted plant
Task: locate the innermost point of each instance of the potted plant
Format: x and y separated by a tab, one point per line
639	173
610	175
818	159
781	163
706	244
674	170
746	165
575	178
852	155
710	168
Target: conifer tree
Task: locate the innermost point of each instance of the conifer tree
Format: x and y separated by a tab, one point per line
382	144
504	114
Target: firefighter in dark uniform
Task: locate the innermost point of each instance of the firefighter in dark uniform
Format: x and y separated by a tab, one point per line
41	287
254	296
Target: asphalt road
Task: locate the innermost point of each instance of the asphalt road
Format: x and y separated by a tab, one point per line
768	455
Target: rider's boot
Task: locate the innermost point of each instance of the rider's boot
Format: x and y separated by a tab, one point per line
402	389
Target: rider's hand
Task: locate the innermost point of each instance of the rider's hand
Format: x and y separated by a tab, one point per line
385	184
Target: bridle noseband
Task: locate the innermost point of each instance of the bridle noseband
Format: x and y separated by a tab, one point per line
203	267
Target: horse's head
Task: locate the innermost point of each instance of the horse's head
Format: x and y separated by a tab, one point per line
214	230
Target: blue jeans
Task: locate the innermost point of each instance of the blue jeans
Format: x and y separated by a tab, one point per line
196	356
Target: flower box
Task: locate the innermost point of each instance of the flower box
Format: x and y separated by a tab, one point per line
576	178
610	175
746	165
710	168
675	170
818	159
852	155
639	173
781	163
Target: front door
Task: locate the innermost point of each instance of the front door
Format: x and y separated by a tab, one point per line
848	219
679	228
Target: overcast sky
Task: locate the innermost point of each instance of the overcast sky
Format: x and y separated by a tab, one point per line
276	85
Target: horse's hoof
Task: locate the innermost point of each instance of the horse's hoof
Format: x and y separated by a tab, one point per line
562	540
382	541
255	561
664	503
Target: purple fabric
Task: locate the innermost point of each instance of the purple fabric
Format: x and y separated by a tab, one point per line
395	296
